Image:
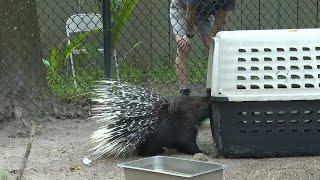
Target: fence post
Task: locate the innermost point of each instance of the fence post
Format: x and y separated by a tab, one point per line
106	18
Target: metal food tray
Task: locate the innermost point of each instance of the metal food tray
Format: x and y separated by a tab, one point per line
168	168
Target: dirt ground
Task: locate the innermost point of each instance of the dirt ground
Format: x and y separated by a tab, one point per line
60	146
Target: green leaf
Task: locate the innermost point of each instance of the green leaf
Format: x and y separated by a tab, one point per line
93	50
54	60
121	18
130	50
75	44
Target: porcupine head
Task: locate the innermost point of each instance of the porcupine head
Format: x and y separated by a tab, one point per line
129	115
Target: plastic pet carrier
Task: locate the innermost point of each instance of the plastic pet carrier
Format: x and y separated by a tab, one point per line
265	88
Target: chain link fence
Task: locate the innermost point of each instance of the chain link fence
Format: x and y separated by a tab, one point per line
144	46
145	50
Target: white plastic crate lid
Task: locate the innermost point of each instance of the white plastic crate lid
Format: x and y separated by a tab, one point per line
264	65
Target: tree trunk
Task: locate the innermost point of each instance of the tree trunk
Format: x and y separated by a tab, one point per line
22	74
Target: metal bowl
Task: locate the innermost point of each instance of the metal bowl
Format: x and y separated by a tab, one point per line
168	168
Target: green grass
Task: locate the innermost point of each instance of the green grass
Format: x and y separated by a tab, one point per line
3	175
161	72
130	71
64	86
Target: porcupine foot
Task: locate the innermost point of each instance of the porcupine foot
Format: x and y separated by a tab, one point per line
150	151
189	148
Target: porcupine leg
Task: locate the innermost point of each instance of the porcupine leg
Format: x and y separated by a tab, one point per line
189	143
150	148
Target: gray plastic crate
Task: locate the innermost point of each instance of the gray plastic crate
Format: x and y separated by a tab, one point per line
265	88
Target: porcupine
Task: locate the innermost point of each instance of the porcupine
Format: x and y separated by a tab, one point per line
137	120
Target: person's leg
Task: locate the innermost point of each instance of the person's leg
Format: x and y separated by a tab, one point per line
179	25
207	40
208	28
183	50
205	27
